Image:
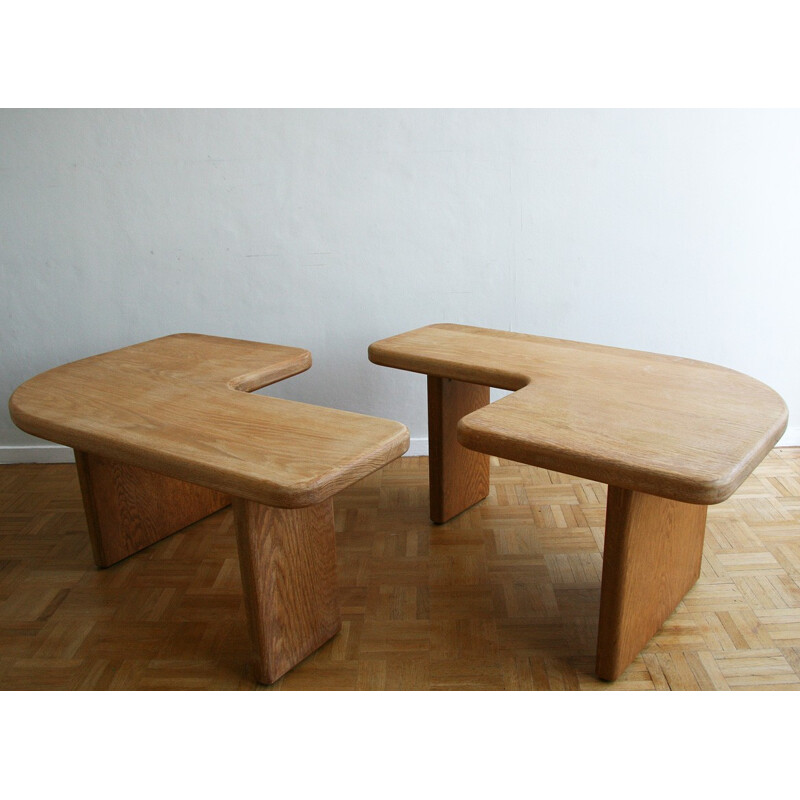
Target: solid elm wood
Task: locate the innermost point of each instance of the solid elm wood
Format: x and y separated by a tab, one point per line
459	477
663	432
166	430
129	508
651	557
287	559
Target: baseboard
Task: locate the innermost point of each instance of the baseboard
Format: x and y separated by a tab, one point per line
418	447
791	438
36	454
58	454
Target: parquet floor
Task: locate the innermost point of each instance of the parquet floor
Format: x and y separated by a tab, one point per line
503	597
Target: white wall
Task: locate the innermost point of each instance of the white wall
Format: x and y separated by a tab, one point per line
670	231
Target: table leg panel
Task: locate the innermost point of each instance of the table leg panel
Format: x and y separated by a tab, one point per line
287	559
459	477
652	557
129	508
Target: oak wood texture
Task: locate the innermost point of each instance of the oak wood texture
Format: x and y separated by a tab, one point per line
668	426
459	477
180	406
129	508
166	430
663	432
287	559
652	557
503	597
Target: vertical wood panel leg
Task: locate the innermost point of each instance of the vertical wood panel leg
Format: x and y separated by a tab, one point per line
652	556
129	508
287	559
459	477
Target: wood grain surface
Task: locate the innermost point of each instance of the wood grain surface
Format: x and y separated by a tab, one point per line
287	558
129	508
504	596
459	477
669	426
651	558
180	406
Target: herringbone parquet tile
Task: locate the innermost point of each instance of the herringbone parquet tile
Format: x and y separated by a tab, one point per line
505	596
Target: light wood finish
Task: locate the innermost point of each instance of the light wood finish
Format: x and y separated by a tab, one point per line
654	428
652	556
288	564
165	431
669	426
180	406
504	596
459	477
129	508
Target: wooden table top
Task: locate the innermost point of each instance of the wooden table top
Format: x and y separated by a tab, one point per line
180	406
669	426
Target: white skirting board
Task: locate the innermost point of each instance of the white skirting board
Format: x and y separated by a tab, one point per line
58	454
36	454
418	447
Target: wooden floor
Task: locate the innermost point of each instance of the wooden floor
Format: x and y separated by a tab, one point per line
505	596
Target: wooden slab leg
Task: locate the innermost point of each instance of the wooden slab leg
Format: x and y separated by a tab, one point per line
129	508
287	559
652	555
459	477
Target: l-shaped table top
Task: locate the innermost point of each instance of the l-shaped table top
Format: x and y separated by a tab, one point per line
179	405
669	426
